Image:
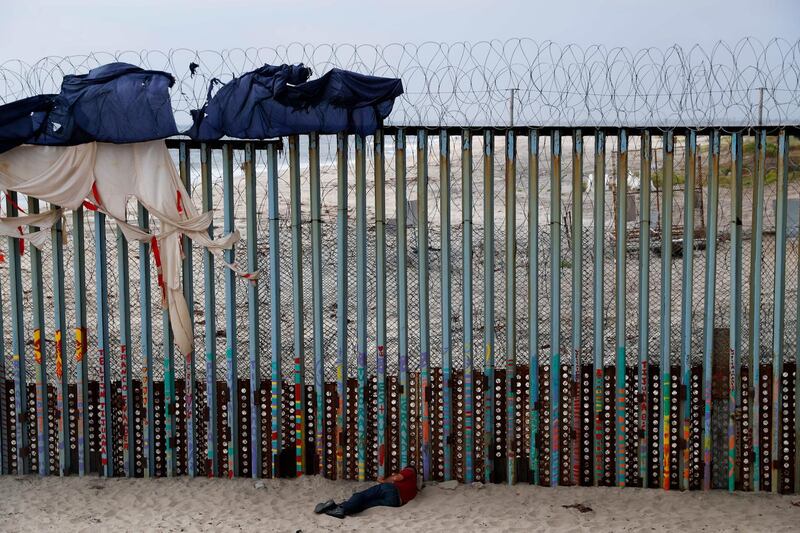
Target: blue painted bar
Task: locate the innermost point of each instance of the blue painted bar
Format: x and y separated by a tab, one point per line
686	307
39	352
380	293
756	251
488	303
316	288
79	282
424	301
124	308
599	276
210	312
189	372
254	353
18	345
466	215
229	225
61	363
145	302
276	377
446	303
555	305
710	295
619	306
511	302
735	395
402	289
341	299
645	226
361	303
666	308
533	299
101	286
577	301
297	306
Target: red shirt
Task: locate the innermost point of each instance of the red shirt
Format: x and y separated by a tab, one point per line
407	488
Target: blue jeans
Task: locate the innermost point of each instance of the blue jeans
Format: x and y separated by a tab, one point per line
382	494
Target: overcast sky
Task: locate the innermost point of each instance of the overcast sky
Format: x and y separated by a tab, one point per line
31	29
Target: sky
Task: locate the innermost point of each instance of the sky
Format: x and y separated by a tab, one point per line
31	29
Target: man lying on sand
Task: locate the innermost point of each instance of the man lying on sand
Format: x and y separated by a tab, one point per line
394	491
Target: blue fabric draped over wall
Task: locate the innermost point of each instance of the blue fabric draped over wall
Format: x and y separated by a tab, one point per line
122	103
274	101
116	103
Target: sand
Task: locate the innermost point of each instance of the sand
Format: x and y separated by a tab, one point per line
180	504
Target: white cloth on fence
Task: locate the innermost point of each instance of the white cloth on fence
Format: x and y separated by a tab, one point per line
107	176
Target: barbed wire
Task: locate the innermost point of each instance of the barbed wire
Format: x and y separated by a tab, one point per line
468	84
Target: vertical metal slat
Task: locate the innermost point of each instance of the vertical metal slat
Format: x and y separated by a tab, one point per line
555	305
229	226
533	299
254	351
488	301
686	308
599	238
39	352
424	301
622	243
316	287
446	304
361	302
210	331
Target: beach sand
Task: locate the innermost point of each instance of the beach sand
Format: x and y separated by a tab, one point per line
181	504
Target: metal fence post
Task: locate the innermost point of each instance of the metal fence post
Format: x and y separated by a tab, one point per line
79	284
644	303
276	376
424	302
210	302
18	345
39	353
402	289
189	372
735	397
380	296
555	305
687	247
711	280
107	433
229	225
341	300
488	302
778	317
446	304
253	330
145	301
316	288
533	299
466	215
666	308
511	298
62	363
622	244
754	383
124	308
577	300
599	184
361	302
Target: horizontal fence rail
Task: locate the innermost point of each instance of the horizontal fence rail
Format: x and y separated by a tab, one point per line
553	306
